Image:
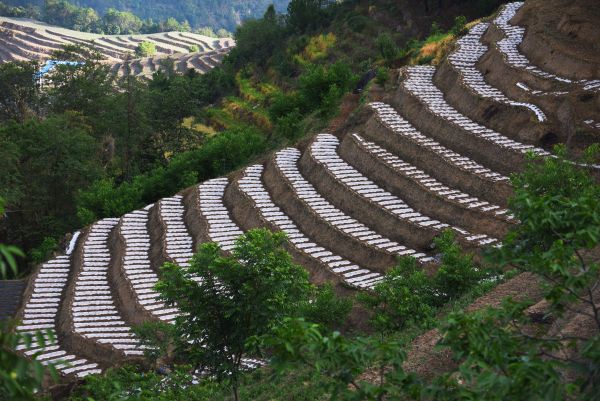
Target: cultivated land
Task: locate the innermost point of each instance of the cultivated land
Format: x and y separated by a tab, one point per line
434	154
22	39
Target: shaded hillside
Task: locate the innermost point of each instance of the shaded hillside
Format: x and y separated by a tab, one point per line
214	13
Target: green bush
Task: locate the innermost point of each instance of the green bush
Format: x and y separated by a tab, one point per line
405	296
145	49
358	23
194	49
321	88
326	308
459	28
220	154
383	75
225	301
457	272
44	251
388	50
290	126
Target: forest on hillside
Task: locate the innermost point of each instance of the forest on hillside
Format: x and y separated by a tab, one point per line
217	14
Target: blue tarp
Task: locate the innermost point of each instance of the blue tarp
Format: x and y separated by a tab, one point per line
51	64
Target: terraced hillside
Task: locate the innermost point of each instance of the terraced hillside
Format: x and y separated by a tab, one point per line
433	155
22	39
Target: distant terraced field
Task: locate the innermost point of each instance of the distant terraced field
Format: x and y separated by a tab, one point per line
22	39
434	154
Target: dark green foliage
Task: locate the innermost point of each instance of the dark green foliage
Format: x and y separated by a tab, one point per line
21	379
289	126
63	13
219	155
458	28
21	11
130	383
252	38
388	50
19	97
104	198
56	157
297	344
121	22
405	296
326	308
305	15
321	88
226	300
457	273
134	384
44	251
84	88
408	296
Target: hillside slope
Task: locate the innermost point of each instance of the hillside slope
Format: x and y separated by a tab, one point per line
432	153
23	39
217	14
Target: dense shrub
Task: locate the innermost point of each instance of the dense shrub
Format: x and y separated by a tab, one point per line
321	88
405	296
227	300
388	50
145	49
43	252
326	308
219	155
383	75
457	272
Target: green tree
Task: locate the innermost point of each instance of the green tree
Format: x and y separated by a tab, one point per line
406	295
121	22
457	272
145	49
86	20
83	87
56	157
252	38
59	12
304	15
326	308
297	344
19	96
388	50
226	300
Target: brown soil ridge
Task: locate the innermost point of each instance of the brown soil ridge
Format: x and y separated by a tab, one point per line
427	361
435	165
418	196
562	36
